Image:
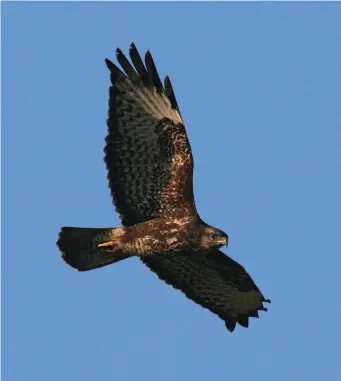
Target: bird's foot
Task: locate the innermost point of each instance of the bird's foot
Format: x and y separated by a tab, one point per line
109	245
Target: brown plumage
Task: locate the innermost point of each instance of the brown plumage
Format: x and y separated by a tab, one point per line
150	172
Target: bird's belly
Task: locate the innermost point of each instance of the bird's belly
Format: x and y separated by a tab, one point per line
150	245
160	236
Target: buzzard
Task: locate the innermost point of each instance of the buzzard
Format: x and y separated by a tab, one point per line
150	173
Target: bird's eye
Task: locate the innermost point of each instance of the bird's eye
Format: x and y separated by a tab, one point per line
214	236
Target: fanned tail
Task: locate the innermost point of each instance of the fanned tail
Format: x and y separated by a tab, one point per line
80	247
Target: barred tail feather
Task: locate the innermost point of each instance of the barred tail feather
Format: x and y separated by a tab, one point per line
80	250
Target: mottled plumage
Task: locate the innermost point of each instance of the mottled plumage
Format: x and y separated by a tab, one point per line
150	172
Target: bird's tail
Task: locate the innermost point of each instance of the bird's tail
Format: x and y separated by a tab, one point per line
90	248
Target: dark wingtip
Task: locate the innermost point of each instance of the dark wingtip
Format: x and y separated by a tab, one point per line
132	48
170	93
151	68
108	63
118	52
114	70
126	65
243	320
139	65
230	324
254	314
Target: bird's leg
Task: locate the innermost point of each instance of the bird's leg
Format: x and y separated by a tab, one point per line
109	245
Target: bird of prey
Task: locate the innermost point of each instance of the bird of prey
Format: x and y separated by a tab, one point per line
150	173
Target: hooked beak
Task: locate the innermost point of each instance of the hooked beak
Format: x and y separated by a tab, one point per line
225	241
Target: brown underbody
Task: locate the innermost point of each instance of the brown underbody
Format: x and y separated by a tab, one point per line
160	235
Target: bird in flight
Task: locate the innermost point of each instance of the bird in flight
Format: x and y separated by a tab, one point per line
150	173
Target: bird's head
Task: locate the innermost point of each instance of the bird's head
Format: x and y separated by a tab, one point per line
213	238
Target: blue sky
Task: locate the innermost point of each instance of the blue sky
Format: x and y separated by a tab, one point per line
259	88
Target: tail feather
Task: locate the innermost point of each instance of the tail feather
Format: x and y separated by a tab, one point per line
80	250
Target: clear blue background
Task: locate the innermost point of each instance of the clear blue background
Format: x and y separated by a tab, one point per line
259	88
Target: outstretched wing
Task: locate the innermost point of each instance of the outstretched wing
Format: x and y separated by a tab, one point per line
214	281
147	153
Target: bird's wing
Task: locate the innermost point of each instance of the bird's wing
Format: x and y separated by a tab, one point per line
213	280
147	153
